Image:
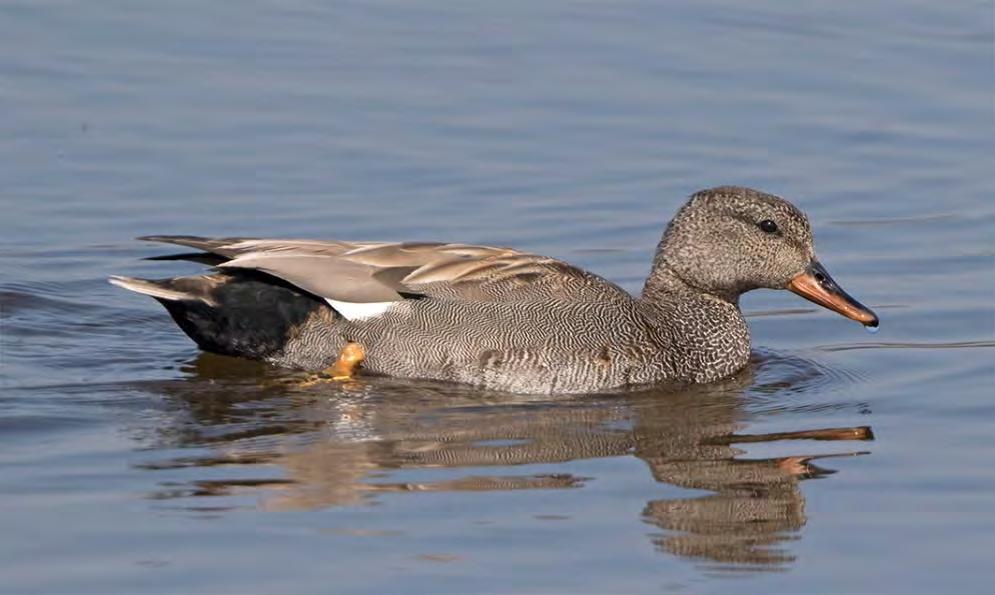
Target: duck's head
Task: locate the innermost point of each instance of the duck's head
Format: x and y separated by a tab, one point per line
729	240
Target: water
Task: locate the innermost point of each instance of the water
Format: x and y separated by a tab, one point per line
132	463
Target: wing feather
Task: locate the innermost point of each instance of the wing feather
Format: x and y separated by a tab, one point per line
367	272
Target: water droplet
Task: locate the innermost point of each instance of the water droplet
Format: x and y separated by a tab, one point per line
873	329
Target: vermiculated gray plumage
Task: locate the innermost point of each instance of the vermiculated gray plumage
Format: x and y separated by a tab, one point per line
495	317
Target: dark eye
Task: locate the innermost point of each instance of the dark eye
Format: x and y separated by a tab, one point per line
768	226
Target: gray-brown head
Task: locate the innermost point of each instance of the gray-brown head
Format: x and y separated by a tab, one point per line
728	240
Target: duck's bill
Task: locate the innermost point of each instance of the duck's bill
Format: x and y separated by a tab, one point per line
817	286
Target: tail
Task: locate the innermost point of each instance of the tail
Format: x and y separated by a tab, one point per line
246	314
168	290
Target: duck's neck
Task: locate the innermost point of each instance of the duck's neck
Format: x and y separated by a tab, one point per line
706	334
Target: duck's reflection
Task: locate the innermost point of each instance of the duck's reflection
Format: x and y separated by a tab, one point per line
342	445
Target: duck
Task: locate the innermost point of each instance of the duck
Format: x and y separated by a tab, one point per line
496	317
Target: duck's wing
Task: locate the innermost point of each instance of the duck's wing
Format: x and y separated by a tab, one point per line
377	272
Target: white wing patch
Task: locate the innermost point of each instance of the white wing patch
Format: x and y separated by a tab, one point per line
360	311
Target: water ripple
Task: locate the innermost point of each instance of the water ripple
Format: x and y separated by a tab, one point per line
909	345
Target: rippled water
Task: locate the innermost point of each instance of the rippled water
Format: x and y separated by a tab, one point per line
132	463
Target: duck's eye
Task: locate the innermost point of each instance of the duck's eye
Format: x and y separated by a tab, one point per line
768	226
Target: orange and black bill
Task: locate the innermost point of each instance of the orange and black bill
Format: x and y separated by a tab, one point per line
817	286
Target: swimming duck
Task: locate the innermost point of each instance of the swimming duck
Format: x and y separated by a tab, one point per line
498	317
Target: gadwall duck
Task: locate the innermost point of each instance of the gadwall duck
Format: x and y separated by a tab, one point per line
497	317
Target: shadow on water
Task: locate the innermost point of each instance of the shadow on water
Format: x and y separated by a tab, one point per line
337	445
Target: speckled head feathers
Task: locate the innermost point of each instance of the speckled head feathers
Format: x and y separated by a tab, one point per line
730	239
